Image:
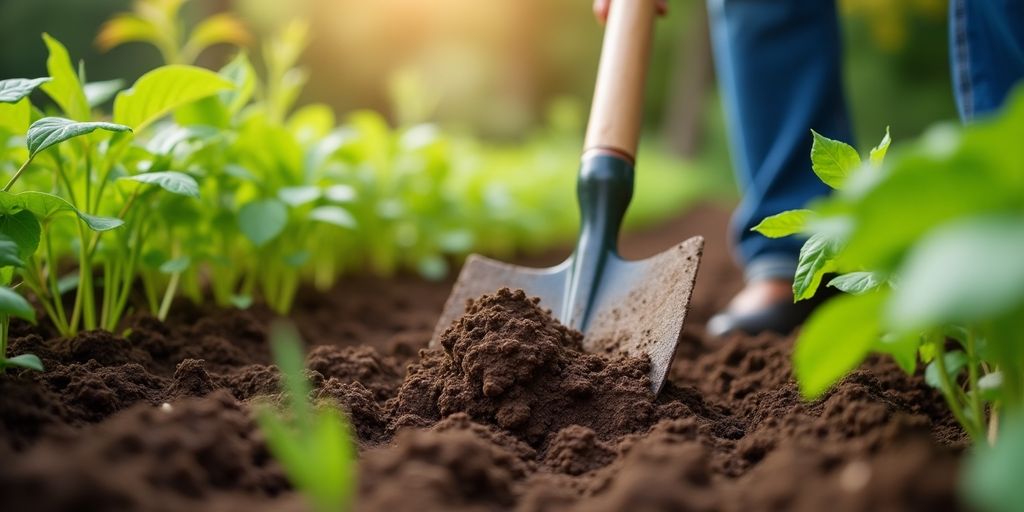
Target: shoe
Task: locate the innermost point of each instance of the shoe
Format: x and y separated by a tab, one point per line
779	316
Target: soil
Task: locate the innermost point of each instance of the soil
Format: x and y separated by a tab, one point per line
509	414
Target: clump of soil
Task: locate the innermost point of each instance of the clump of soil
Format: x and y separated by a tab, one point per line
507	362
509	414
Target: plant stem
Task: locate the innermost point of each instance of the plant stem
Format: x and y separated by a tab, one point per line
949	392
172	287
17	175
972	379
51	270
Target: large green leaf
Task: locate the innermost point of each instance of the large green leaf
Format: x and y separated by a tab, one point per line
162	90
13	304
836	339
965	272
263	220
787	223
46	206
833	161
817	257
49	131
14	89
23	229
171	181
65	88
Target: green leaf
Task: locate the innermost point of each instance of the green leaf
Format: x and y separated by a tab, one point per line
126	28
965	272
241	301
15	117
991	475
14	89
46	206
857	283
162	90
263	220
13	304
98	93
817	257
28	361
176	266
955	362
65	88
879	151
903	349
240	73
833	161
49	131
333	215
23	229
171	181
298	196
10	253
835	340
784	224
222	28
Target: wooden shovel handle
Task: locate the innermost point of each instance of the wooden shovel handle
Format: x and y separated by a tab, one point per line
617	112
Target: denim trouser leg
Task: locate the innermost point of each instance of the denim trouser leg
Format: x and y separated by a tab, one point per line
778	65
986	52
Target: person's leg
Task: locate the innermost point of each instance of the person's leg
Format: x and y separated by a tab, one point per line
986	53
779	71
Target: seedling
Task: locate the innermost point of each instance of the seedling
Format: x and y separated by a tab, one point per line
312	443
928	250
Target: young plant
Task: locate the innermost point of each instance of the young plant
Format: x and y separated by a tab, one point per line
158	22
927	248
313	444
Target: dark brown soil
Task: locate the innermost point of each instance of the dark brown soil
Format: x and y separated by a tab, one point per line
509	415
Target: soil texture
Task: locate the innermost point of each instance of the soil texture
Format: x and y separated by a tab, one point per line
509	414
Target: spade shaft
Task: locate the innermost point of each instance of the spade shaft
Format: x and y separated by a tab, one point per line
631	307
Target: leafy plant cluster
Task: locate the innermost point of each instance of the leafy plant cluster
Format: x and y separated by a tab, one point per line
928	245
212	184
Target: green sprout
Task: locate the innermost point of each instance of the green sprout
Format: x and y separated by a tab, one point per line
313	444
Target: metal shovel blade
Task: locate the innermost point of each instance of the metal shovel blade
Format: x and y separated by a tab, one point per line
638	307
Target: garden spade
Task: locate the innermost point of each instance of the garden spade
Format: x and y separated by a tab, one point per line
632	307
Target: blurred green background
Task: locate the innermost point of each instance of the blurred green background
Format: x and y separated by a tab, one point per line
503	70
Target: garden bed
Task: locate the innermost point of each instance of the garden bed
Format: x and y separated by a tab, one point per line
160	419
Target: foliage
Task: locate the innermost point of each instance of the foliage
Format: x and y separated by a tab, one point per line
213	181
313	444
927	244
157	22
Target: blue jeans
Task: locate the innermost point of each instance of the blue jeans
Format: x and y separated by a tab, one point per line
779	71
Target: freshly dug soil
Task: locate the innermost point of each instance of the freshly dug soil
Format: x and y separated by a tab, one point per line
509	414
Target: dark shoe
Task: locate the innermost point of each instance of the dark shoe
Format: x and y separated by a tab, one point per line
780	317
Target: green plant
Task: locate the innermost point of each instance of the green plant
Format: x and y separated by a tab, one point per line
158	22
312	443
927	247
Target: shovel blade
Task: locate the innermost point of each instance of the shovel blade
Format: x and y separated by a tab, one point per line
639	307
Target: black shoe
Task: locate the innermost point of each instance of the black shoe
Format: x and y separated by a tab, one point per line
779	317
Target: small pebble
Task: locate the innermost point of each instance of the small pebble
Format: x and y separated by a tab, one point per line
166	407
855	476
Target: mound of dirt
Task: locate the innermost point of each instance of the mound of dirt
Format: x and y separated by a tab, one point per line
507	362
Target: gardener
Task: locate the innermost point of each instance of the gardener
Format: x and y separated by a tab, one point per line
778	65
